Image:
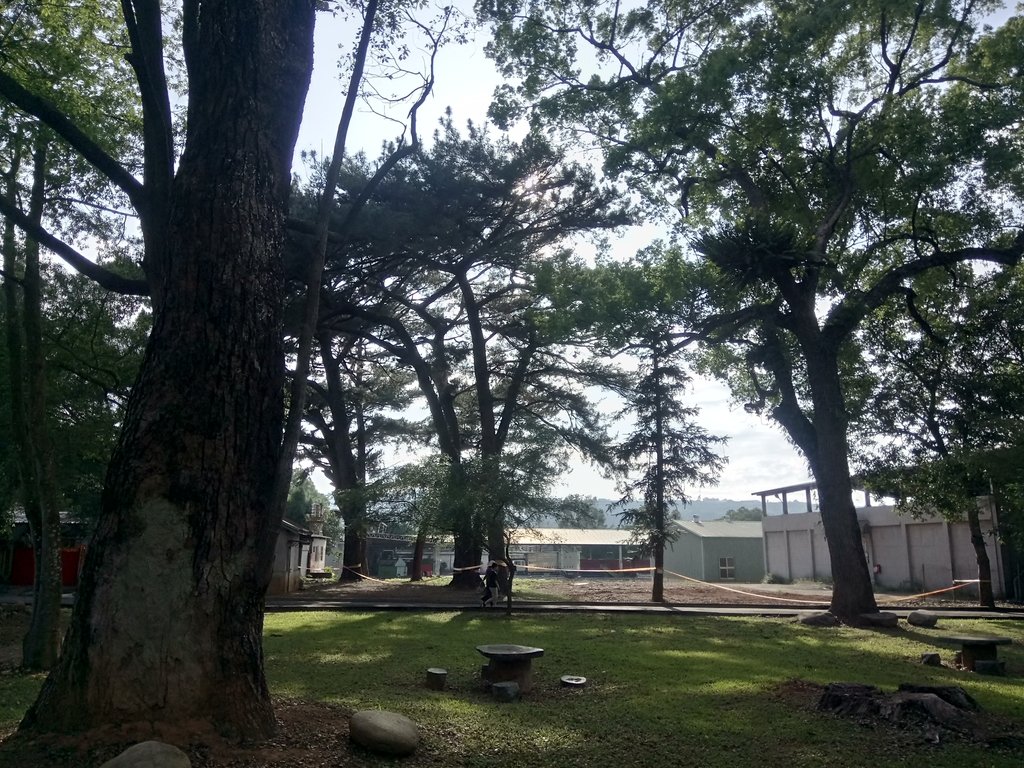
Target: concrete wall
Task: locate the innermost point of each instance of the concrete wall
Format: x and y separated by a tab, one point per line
685	556
287	573
910	554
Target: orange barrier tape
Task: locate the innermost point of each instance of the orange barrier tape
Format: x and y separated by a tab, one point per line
900	598
532	568
362	575
741	592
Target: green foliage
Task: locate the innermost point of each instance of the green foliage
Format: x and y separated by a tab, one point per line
945	416
744	513
443	270
577	511
94	342
302	494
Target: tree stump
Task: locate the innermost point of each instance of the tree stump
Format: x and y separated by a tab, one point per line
436	678
947	706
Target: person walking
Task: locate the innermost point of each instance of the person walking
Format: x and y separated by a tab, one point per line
490	584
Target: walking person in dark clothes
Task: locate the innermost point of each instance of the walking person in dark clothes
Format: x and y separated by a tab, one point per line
490	584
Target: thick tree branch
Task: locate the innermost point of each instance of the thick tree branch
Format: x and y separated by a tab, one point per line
848	315
98	274
49	114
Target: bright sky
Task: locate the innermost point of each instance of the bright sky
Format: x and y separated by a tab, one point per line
759	455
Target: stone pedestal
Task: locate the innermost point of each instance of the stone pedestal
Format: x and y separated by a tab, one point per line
510	663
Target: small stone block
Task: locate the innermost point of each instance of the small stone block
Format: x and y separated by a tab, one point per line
990	667
507	691
436	678
931	660
922	619
573	681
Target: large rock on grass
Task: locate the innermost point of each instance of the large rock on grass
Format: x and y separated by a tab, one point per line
883	619
385	733
922	619
150	754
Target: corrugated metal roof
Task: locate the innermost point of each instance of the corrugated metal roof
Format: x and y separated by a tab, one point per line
722	529
578	536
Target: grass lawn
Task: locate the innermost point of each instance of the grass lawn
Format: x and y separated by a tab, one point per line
662	691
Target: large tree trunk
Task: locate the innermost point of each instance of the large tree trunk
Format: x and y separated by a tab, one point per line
353	556
27	374
985	596
416	567
168	622
41	645
466	568
852	591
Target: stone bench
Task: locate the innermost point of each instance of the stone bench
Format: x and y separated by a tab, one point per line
510	663
975	648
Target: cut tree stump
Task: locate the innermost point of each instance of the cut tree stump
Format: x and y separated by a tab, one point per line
948	706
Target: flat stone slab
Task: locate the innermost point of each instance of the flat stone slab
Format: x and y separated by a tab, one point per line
509	652
976	648
386	733
509	663
150	754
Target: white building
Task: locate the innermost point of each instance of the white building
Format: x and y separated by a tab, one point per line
904	553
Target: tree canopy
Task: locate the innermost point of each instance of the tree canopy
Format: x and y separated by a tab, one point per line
809	188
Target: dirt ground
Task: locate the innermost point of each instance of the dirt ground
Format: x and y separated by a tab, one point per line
315	735
598	590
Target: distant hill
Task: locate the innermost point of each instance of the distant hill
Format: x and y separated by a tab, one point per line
705	509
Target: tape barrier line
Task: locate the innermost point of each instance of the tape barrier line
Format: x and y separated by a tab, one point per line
362	575
901	598
532	568
742	592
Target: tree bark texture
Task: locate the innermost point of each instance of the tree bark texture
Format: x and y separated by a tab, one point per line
167	626
985	596
354	549
41	645
852	591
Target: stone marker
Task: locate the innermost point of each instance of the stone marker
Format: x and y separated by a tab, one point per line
150	754
386	733
931	660
817	619
880	619
506	691
436	678
922	619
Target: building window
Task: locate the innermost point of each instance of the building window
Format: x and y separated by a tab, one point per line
726	568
